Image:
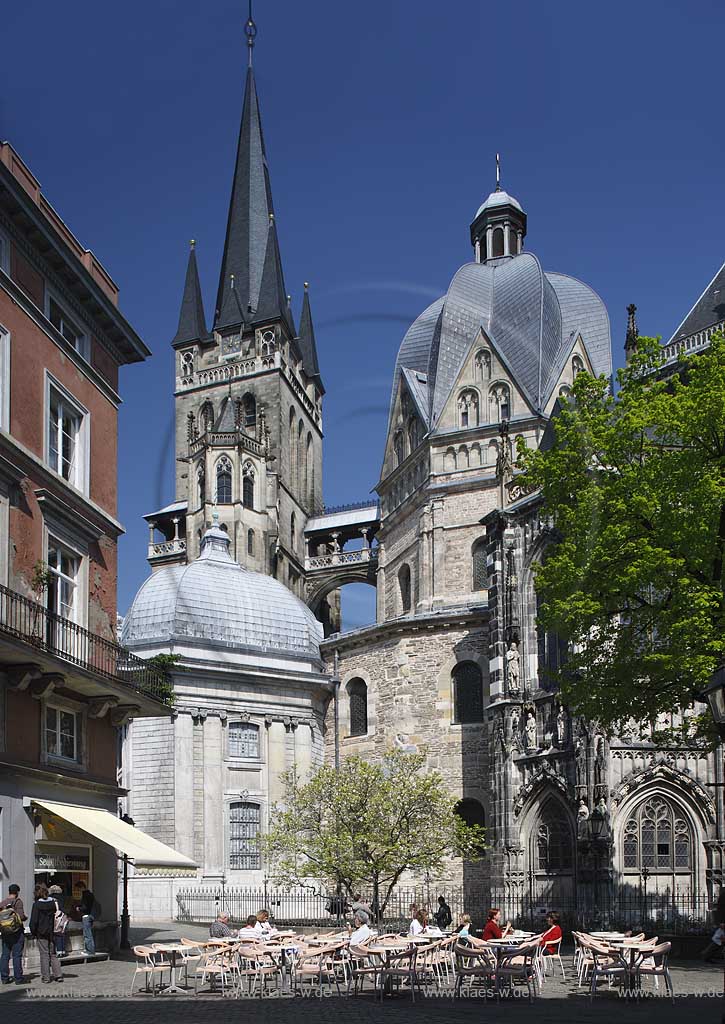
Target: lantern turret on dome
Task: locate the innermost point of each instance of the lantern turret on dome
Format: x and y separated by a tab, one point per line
499	227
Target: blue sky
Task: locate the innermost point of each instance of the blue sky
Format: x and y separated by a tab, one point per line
381	122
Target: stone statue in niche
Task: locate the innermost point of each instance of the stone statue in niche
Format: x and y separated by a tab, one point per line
513	667
600	765
582	817
515	720
561	728
530	731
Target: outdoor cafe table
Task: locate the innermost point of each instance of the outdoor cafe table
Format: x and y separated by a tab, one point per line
173	949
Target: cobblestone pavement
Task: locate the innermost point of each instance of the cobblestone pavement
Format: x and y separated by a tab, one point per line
99	993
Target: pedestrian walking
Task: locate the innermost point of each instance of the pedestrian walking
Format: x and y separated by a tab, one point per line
61	919
12	930
42	928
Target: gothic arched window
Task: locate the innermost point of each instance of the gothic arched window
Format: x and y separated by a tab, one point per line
249	405
404	584
268	344
483	365
497	242
187	364
500	402
577	366
468	409
467	693
206	416
357	693
310	464
250	542
657	838
554	839
414	433
224	481
479	574
248	485
292	450
399	447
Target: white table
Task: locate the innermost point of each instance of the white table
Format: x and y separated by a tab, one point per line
173	948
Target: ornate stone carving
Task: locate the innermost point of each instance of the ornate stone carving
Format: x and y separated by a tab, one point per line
542	776
530	732
662	772
582	817
561	728
513	668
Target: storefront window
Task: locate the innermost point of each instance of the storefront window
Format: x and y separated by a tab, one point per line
68	866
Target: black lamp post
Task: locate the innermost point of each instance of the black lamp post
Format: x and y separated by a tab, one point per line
125	919
597	831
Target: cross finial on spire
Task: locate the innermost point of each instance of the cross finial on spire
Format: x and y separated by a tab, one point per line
250	30
498	172
192	243
630	342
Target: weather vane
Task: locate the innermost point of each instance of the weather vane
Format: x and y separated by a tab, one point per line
250	30
498	172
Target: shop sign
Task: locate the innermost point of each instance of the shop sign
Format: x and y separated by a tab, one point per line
62	860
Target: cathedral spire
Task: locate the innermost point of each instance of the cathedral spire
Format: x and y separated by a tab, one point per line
250	206
192	322
272	303
630	342
308	347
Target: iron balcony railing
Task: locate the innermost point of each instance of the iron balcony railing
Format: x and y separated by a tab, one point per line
32	622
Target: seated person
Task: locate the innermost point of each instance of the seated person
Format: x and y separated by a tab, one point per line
249	931
551	938
464	926
493	928
220	929
360	932
264	926
419	923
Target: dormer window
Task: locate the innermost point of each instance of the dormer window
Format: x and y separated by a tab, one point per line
500	402
577	366
483	365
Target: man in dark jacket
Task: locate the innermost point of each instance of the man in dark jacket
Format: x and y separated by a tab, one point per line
13	941
42	927
443	915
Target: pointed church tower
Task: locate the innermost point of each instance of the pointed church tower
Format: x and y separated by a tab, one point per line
248	392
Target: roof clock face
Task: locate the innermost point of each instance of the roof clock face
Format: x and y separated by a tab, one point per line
231	344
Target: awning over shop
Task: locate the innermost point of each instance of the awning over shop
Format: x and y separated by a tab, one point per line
145	851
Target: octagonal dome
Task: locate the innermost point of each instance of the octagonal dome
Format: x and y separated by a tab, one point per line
215	603
499	198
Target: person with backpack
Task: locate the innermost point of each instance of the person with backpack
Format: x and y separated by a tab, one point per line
42	928
12	915
61	919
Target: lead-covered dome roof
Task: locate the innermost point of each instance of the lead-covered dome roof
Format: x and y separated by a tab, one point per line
215	602
532	319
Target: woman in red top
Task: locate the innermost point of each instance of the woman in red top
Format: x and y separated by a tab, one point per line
552	936
493	928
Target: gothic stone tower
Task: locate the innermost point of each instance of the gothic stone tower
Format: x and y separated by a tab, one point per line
248	393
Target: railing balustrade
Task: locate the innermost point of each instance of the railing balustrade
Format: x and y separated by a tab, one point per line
313	562
31	622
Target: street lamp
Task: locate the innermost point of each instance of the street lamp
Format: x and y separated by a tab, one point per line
125	919
715	694
597	832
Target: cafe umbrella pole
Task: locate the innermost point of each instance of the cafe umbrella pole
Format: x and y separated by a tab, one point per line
125	918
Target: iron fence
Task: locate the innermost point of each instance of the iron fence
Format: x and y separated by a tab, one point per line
666	913
33	623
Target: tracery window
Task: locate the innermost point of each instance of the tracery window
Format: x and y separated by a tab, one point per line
554	839
357	693
497	242
187	364
483	365
500	402
479	573
249	405
224	481
244	830
399	447
467	693
268	344
248	485
656	838
468	409
404	584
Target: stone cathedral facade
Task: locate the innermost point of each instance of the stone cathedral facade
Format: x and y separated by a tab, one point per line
247	564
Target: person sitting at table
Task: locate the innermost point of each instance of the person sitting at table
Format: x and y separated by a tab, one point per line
360	932
464	926
264	926
493	928
249	931
552	936
419	923
220	929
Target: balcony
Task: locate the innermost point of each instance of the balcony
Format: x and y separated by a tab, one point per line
340	558
84	656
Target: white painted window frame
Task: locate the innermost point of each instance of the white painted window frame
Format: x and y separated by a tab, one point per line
83	440
84	346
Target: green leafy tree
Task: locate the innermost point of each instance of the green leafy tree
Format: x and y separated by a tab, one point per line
634	489
361	826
